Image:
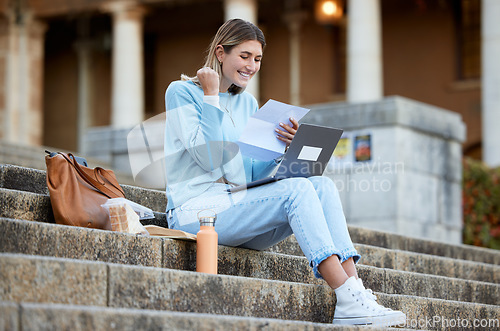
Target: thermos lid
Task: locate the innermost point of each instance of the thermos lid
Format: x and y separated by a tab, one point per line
207	217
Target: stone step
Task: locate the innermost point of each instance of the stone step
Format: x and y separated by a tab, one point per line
296	269
39	279
25	206
36	207
32	180
36	316
21	204
28	233
80	243
428	264
398	242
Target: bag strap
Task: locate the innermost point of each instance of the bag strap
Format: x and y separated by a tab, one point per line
103	186
98	172
89	180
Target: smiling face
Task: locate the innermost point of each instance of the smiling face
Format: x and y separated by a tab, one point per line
240	64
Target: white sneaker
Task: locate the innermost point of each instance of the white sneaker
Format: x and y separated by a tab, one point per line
355	306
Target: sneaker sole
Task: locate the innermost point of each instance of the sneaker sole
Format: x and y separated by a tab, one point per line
391	320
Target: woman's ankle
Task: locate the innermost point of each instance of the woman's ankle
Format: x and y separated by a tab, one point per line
332	272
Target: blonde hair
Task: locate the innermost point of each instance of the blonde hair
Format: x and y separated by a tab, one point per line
232	33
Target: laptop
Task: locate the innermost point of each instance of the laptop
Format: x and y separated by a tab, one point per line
308	155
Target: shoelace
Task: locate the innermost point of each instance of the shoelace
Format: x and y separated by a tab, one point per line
366	291
367	302
368	294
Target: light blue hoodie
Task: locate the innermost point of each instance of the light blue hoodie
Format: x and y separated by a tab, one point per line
199	142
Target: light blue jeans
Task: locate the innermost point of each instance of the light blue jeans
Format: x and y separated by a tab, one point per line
262	216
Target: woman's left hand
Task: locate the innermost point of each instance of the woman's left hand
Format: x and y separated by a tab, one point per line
288	133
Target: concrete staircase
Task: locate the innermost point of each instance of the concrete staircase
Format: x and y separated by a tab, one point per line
55	277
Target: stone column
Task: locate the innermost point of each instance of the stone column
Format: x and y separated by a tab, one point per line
84	53
490	80
294	21
127	107
21	62
247	10
364	54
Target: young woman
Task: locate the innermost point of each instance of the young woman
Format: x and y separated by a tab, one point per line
205	116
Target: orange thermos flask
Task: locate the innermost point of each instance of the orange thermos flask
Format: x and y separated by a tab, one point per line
206	245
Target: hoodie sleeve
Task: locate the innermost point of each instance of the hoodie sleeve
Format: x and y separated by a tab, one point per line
261	169
196	124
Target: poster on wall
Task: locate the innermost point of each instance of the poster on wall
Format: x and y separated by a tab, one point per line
343	152
353	147
363	148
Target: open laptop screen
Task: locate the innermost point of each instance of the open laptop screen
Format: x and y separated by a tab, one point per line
310	151
308	155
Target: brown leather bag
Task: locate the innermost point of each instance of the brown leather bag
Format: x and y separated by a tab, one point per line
77	192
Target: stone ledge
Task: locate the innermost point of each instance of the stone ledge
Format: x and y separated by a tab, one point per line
73	317
23	179
36	238
430	286
37	207
26	206
428	264
41	279
400	242
394	241
393	110
425	313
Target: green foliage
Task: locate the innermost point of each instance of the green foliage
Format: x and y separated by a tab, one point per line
481	204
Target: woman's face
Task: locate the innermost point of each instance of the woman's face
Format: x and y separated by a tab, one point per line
240	64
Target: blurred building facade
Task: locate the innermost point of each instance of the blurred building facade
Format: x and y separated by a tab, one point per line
69	65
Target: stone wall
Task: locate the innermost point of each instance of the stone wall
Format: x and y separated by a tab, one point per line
412	183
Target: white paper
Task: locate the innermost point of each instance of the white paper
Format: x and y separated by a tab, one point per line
258	139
